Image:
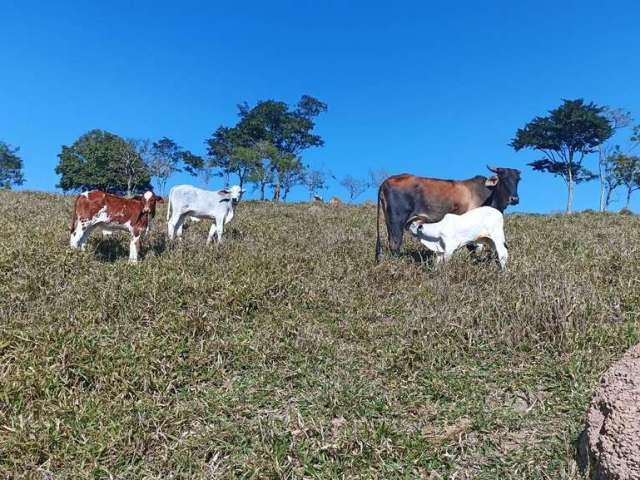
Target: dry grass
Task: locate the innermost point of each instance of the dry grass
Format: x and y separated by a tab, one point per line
286	353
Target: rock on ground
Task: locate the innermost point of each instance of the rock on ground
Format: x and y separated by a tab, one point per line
609	447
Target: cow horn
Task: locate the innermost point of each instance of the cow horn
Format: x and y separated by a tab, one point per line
492	169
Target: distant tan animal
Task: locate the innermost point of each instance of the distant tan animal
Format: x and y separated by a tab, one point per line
317	199
335	202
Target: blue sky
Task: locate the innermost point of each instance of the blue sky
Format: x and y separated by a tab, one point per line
421	87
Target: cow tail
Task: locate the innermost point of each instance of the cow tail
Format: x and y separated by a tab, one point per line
74	218
169	206
378	245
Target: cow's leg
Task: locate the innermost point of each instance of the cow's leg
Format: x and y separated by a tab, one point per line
76	236
216	230
134	245
84	232
500	246
445	254
171	226
229	216
170	229
396	232
212	232
174	225
179	225
219	229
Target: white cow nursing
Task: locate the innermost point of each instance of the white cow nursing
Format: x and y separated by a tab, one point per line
480	225
188	201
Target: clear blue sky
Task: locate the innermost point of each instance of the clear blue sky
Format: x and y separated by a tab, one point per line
418	87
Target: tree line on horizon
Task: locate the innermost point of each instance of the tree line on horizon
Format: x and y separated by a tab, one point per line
265	149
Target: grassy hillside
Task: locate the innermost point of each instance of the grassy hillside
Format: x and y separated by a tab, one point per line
287	353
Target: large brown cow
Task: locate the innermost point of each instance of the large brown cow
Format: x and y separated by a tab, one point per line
106	211
404	196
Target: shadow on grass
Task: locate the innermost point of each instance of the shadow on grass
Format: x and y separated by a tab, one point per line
422	256
116	247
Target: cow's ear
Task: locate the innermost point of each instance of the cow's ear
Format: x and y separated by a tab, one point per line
491	182
159	200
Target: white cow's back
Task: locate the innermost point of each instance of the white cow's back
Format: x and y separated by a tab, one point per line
198	202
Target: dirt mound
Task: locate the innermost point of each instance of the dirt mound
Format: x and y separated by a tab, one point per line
609	447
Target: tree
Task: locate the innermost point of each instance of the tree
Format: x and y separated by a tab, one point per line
10	166
221	146
565	136
291	175
355	187
131	165
290	131
609	181
376	177
165	156
627	172
266	144
315	181
100	160
196	166
618	118
244	162
263	174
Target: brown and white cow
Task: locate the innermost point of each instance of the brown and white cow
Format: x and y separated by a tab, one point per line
110	212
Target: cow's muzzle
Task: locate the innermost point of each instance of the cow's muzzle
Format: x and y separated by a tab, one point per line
514	200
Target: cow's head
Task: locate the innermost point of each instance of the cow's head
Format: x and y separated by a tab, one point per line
149	200
234	192
504	186
414	224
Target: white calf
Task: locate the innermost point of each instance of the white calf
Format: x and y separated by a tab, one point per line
480	225
188	201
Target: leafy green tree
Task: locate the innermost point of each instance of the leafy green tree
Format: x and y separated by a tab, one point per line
10	166
197	166
244	163
292	173
289	130
263	174
265	146
232	152
627	172
165	157
565	136
221	146
100	160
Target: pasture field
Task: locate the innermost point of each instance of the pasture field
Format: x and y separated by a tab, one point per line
287	353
